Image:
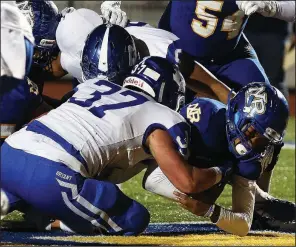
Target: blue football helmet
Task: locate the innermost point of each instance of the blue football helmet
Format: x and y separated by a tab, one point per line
159	79
29	55
109	51
44	18
262	107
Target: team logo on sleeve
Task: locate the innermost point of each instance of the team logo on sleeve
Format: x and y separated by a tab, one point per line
193	113
256	100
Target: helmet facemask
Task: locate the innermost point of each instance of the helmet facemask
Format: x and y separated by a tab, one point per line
248	122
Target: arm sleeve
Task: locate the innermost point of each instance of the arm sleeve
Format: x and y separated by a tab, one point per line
285	11
238	220
156	182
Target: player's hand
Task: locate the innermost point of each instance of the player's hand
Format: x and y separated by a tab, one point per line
265	8
111	12
194	206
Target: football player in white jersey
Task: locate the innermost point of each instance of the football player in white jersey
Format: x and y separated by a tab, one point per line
63	162
149	41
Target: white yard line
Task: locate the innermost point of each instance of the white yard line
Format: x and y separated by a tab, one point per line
289	145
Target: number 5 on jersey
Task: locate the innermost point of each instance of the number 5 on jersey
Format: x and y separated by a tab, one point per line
231	24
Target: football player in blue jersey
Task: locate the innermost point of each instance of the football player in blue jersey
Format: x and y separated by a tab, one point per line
20	98
212	33
248	134
43	16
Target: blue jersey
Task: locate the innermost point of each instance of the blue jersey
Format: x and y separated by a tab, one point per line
207	29
19	98
209	145
208	140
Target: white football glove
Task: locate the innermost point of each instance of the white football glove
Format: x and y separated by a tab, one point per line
265	8
4	204
111	12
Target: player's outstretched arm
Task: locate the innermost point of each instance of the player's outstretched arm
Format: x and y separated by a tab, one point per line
236	221
283	10
195	74
201	74
183	176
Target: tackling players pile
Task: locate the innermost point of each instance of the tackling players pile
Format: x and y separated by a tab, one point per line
127	113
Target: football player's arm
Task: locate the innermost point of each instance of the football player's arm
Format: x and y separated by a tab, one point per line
183	176
156	182
201	74
195	74
283	10
286	11
236	221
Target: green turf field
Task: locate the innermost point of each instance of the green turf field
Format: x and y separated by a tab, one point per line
290	133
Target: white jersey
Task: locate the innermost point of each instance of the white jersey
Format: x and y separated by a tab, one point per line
160	42
101	131
71	34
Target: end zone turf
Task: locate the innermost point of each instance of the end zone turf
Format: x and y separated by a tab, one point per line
177	234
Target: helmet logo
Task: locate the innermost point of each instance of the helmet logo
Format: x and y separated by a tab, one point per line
47	42
256	99
193	113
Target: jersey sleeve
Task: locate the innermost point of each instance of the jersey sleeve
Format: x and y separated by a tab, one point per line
179	132
174	52
249	169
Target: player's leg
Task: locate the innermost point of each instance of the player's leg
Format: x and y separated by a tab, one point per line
84	205
241	72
